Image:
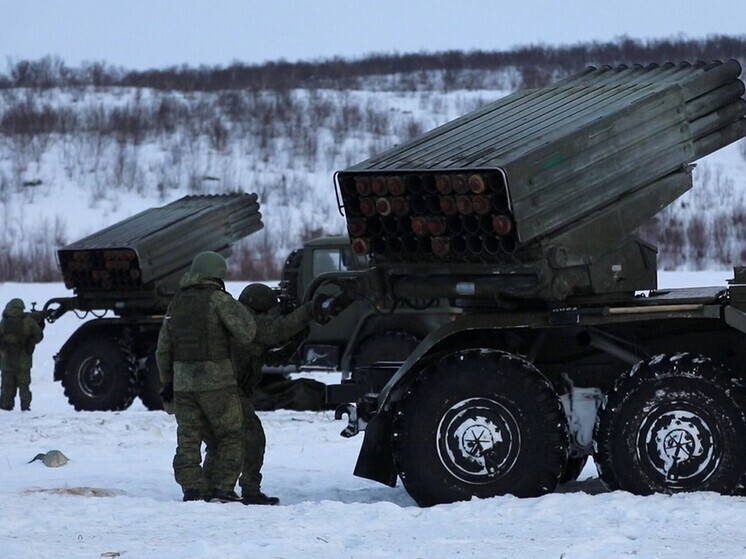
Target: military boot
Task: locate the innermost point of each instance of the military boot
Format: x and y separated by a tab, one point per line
258	499
192	495
219	496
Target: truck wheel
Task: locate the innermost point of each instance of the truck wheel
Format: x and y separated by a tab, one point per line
392	345
290	272
150	385
675	423
100	375
479	423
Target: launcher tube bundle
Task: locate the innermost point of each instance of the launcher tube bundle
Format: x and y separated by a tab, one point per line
158	244
552	179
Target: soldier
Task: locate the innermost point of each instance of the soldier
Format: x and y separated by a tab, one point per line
19	334
195	367
272	329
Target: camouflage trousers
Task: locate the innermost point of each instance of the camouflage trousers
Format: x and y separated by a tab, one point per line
218	412
254	443
15	380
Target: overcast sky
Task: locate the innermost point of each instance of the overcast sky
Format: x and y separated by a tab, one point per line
143	34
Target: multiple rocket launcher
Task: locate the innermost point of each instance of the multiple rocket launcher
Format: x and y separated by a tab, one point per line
156	247
571	169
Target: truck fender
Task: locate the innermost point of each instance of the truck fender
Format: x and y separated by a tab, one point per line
366	328
99	326
375	460
439	340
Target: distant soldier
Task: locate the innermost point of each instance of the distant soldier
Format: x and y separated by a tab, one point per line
196	370
19	334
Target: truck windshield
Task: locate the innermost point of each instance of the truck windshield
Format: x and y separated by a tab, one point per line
327	260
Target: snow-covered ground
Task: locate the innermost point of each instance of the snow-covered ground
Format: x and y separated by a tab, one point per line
116	496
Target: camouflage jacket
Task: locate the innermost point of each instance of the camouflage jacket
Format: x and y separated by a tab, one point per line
271	329
19	334
226	319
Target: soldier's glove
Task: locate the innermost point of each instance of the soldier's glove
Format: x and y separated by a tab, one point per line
320	308
167	393
39	318
326	307
339	303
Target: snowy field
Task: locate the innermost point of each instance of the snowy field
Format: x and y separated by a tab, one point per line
116	496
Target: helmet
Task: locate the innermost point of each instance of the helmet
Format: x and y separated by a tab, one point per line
14	307
258	297
210	264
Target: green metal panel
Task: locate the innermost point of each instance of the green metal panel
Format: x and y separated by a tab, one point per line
605	228
597	164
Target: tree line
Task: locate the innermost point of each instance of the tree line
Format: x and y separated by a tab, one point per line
537	66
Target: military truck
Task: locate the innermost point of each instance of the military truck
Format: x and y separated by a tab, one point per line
124	276
361	334
523	215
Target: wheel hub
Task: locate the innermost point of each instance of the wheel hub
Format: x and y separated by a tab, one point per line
681	447
92	377
478	440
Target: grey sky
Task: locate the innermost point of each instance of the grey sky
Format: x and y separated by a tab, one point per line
140	34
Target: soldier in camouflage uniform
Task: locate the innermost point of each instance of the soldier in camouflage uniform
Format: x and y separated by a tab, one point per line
19	334
272	328
194	362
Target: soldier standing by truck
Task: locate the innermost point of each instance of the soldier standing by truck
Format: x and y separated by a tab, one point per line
195	367
19	334
271	329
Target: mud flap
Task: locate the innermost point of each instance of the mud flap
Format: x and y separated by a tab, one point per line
376	460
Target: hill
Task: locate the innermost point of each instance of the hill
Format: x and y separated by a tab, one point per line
81	148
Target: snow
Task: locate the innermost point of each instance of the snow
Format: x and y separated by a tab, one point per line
84	183
117	497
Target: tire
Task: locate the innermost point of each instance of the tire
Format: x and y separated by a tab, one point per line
479	423
287	352
673	424
100	375
150	385
290	272
392	345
